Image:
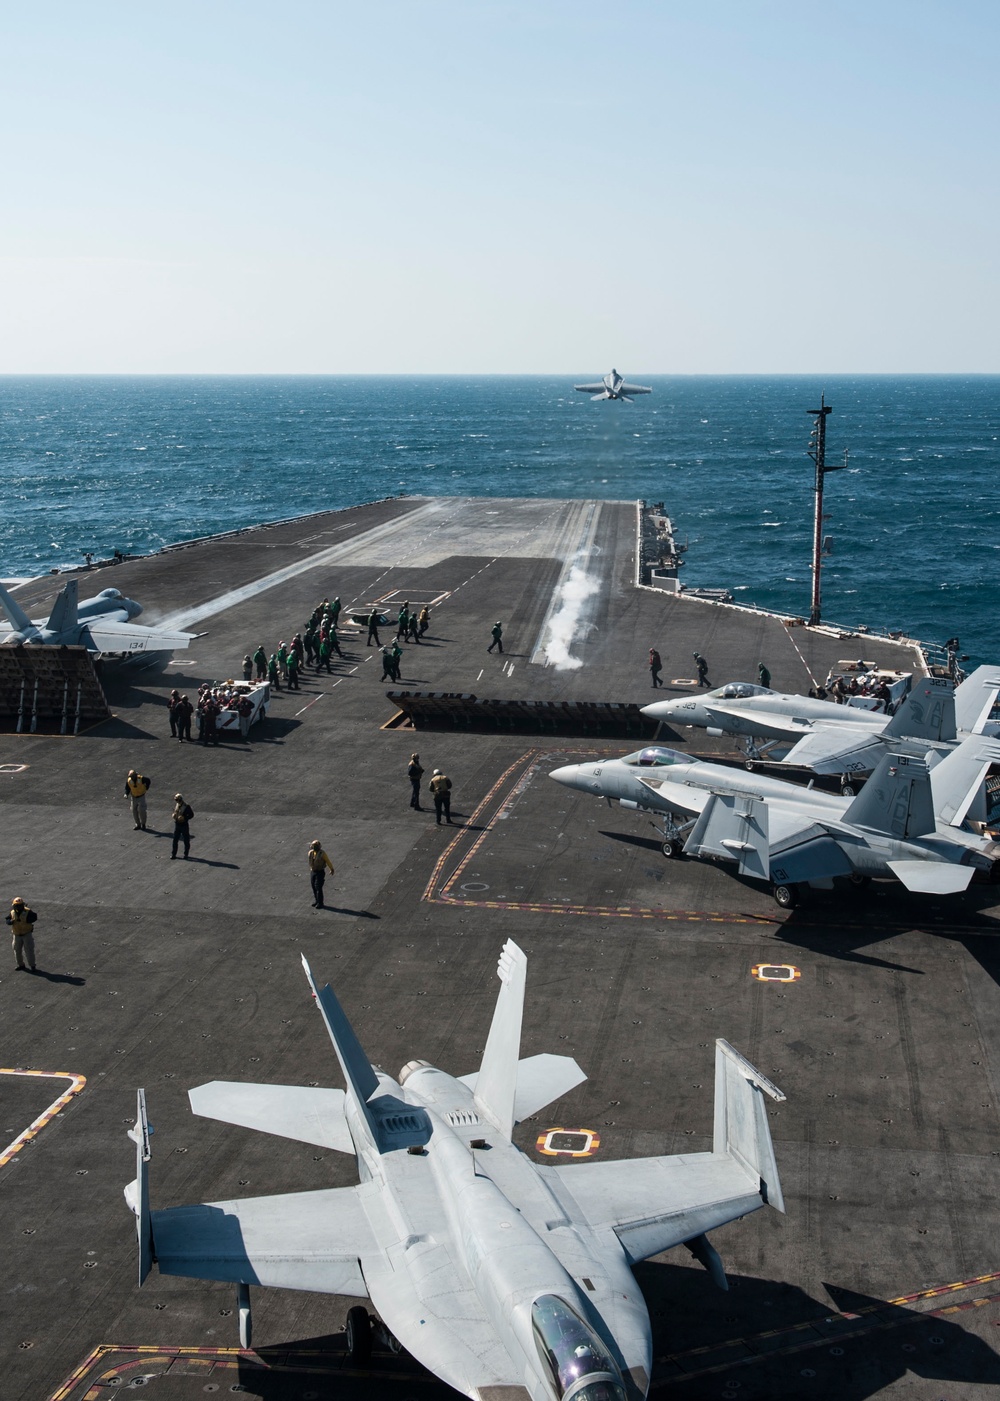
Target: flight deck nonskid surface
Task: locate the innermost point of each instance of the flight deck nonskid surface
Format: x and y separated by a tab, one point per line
168	975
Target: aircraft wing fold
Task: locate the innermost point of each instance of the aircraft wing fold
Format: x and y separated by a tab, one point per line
703	1190
290	1111
734	827
302	1240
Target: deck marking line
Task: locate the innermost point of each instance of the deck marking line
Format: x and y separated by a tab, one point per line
311	703
322	1364
801	657
529	762
77	1083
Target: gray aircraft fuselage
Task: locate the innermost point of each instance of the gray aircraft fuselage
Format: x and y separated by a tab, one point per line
868	851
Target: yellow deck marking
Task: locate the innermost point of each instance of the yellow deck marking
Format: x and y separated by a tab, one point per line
34	1128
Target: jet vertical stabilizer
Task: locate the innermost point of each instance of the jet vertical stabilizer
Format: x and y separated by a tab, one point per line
957	781
741	1127
896	800
976	697
496	1083
927	712
357	1068
18	618
137	1192
64	610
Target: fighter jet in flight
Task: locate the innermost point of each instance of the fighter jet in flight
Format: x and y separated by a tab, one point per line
501	1275
613	386
905	824
102	624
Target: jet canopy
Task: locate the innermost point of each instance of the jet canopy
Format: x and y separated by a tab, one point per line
579	1365
741	690
655	757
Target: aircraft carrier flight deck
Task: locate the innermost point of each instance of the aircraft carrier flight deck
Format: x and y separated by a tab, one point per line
877	1012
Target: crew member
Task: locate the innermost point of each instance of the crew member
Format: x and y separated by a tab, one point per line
425	620
496	632
184	712
182	815
172	704
136	788
22	923
247	667
318	864
260	662
702	666
655	667
415	773
373	619
764	674
440	786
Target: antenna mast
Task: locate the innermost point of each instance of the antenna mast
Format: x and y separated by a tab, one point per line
817	451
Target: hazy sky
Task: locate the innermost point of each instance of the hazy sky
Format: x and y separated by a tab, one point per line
436	186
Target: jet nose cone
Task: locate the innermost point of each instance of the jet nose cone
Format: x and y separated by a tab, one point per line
569	775
659	710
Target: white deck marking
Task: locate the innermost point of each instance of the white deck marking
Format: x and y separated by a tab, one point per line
186	618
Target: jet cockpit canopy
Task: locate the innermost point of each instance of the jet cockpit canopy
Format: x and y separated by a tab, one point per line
656	756
579	1365
741	690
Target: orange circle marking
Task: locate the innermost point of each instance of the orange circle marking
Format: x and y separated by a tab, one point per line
568	1143
775	973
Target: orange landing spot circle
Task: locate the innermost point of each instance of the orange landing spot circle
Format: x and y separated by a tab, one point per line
775	973
568	1143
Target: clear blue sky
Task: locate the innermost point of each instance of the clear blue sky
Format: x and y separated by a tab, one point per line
498	186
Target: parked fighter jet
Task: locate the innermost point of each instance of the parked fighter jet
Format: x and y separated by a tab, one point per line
613	386
100	624
792	836
842	739
500	1275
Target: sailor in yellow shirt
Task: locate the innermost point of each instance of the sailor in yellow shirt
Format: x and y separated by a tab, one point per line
318	863
137	785
22	925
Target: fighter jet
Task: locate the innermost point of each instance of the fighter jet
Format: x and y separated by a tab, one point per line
901	825
841	739
100	624
613	386
501	1275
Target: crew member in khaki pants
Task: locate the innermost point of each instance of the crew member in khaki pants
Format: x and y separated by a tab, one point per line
22	921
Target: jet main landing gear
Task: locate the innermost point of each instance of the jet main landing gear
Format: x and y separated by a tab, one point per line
674	837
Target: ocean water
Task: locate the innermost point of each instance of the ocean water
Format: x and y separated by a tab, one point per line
136	463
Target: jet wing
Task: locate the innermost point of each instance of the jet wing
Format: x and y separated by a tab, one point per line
600	388
634	389
832	750
302	1240
703	1190
802	850
105	636
758	722
289	1111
